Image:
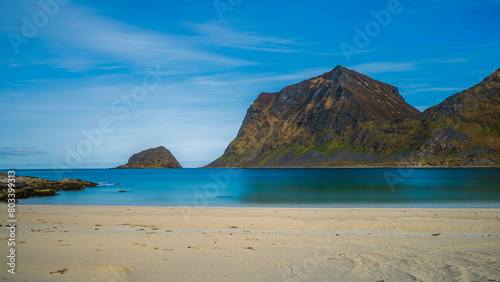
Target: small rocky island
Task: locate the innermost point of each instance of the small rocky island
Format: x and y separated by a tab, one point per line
158	157
27	187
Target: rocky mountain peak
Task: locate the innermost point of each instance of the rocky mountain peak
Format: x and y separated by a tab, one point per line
494	77
344	118
317	111
484	97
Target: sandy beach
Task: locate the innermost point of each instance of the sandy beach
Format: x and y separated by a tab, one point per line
100	243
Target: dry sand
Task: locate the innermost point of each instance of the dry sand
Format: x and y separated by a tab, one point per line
86	243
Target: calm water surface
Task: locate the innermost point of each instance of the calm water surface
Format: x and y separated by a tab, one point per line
279	187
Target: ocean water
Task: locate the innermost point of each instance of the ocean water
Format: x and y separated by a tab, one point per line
340	187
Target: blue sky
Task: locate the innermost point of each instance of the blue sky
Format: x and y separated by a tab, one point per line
68	67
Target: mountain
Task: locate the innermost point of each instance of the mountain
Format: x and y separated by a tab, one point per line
152	158
463	130
344	118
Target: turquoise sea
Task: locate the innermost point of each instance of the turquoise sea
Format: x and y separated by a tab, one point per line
340	187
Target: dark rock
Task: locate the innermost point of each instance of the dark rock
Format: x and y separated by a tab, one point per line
476	152
449	134
476	163
152	158
27	187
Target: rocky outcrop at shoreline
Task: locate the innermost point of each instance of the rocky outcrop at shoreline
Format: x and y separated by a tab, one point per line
27	186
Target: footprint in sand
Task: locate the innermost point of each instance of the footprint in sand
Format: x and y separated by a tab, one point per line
169	250
64	245
97	250
140	245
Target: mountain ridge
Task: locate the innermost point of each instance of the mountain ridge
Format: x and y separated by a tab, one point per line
344	118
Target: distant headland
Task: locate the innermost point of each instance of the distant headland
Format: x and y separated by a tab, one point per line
346	119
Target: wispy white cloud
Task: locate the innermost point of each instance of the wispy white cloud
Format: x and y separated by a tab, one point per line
414	86
382	67
251	80
448	61
434	89
19	152
83	40
294	76
102	41
217	34
437	89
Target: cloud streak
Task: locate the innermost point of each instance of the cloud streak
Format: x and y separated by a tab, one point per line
19	152
437	89
105	43
220	35
383	67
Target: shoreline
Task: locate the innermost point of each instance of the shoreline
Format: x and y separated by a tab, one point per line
129	243
417	206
